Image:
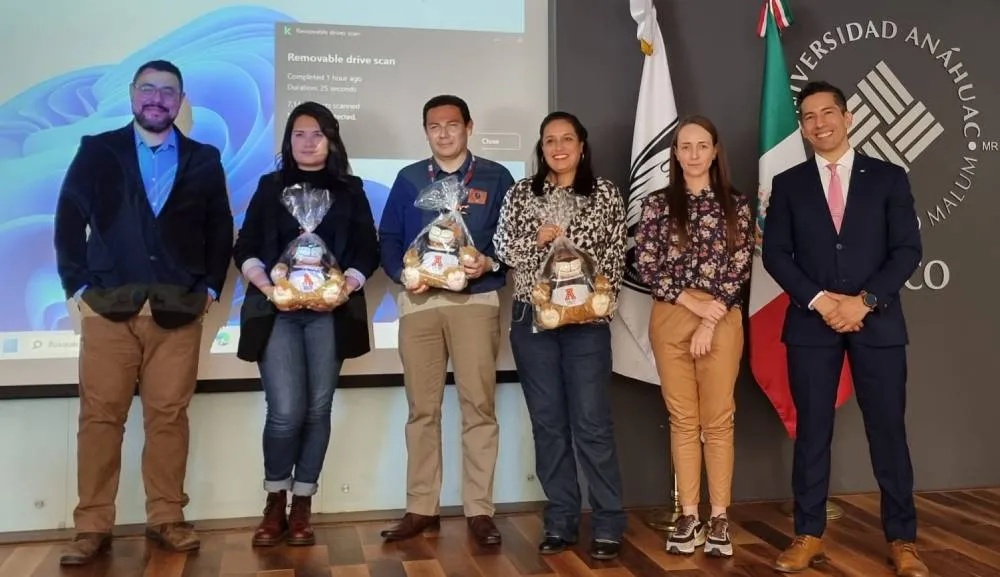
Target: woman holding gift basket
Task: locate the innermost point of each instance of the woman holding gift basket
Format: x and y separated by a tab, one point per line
307	244
693	249
563	232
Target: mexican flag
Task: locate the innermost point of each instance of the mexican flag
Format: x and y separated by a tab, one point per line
655	121
781	148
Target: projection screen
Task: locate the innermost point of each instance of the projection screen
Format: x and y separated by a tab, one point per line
67	67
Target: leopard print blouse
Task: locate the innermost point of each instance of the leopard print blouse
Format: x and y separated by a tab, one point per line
598	228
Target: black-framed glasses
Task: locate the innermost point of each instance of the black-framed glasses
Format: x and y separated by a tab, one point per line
165	92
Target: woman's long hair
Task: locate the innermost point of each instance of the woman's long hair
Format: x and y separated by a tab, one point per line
337	162
676	191
583	182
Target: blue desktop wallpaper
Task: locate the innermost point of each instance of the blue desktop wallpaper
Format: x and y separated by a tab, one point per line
227	58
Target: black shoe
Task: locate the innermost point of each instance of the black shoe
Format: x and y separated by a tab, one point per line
554	544
604	549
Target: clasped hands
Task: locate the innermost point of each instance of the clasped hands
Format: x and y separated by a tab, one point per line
842	313
710	311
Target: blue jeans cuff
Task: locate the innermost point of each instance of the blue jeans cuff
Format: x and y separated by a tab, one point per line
300	489
276	486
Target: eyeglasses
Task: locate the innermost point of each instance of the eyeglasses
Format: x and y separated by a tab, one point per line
147	91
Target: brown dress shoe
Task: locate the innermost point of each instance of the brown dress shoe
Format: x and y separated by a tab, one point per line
84	548
412	525
804	552
300	531
274	526
483	529
904	557
177	537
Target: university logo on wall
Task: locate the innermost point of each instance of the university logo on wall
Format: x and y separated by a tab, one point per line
915	103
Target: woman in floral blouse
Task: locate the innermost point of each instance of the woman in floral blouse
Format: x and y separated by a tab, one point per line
693	249
565	371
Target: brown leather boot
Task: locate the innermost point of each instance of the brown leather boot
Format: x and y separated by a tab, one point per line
412	525
903	556
274	526
300	531
804	552
85	548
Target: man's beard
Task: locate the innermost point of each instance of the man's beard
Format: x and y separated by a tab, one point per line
155	126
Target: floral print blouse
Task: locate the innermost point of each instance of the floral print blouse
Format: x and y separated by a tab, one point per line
598	228
705	264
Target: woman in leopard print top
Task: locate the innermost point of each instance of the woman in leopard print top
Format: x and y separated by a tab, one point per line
599	229
565	372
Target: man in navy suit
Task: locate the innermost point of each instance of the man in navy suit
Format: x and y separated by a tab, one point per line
143	239
841	239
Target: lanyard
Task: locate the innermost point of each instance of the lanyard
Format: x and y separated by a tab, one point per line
468	173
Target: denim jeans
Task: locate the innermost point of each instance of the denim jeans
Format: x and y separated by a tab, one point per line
565	374
299	371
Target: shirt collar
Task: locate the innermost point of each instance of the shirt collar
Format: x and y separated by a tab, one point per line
169	143
846	161
461	170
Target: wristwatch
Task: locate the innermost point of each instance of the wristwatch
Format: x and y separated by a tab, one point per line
869	300
496	266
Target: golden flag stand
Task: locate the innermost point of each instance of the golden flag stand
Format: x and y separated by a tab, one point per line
833	510
665	520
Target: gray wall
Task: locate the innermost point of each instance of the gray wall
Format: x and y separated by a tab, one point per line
716	64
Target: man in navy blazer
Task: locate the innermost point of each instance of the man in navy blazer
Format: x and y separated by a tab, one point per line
841	239
143	239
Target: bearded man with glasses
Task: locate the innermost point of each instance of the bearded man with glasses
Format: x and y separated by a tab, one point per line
143	239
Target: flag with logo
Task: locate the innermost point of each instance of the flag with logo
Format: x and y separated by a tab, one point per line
655	121
781	148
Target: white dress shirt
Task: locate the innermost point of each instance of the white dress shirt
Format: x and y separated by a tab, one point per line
844	166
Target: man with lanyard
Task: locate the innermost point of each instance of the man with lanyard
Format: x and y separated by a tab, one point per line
436	325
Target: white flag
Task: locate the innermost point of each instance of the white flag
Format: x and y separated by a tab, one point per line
655	121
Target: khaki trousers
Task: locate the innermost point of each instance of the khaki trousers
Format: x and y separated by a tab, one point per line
470	336
699	397
113	357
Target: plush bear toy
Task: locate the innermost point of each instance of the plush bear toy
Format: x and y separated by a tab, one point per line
305	283
437	259
565	297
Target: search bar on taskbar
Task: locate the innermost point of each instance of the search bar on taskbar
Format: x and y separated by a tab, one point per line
39	345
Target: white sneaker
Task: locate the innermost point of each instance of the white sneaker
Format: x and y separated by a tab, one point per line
718	542
690	535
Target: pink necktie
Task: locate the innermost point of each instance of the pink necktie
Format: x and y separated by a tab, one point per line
836	197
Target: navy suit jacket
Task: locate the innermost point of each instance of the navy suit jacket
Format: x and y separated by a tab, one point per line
108	239
877	249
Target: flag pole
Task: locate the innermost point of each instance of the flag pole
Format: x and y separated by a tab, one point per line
665	521
656	118
780	148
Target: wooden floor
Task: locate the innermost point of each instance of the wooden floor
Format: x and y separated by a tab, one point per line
959	537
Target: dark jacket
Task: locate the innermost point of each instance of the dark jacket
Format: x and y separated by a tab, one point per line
132	256
877	249
348	230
